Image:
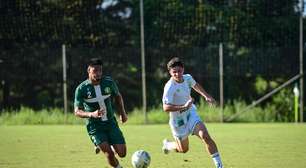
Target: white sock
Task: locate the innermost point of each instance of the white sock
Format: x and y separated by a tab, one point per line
217	160
171	146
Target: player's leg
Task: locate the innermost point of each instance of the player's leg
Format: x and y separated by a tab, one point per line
178	145
201	131
110	155
100	139
92	134
120	149
168	146
117	140
181	143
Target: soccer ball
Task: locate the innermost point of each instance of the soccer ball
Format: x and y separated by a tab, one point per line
141	159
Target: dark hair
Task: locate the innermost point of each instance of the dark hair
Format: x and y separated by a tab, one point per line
175	61
94	61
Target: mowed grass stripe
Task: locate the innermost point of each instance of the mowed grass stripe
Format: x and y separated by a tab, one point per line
240	145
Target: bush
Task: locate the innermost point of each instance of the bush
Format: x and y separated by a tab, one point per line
28	116
271	113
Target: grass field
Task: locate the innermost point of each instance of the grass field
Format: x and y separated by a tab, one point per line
240	145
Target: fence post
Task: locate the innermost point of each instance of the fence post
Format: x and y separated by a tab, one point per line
64	80
221	80
301	64
143	64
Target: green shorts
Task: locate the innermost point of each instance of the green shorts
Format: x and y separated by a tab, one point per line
109	133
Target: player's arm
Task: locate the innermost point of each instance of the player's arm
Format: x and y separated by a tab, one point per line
82	114
174	108
119	102
167	100
79	108
120	107
198	88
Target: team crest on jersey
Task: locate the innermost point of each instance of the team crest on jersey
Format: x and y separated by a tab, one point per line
107	90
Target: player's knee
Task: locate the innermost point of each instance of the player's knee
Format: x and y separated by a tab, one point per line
121	154
183	150
107	151
120	150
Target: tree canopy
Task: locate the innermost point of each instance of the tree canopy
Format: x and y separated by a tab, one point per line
260	38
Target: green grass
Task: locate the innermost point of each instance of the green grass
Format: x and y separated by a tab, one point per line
240	145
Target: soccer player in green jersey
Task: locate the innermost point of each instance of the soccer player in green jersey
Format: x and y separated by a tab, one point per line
93	100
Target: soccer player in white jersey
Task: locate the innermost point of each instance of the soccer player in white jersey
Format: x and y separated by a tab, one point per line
184	120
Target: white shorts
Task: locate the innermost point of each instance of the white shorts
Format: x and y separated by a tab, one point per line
183	131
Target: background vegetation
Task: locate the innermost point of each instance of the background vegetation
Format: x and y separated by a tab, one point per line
273	112
260	40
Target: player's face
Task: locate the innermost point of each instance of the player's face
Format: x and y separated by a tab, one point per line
177	73
95	73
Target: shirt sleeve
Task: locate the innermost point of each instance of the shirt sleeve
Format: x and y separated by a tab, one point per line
168	95
191	82
78	99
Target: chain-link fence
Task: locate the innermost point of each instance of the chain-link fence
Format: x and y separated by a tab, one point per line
260	39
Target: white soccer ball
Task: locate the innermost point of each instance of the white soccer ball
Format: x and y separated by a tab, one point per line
141	159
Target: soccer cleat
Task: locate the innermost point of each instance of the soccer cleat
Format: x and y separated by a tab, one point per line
97	150
164	148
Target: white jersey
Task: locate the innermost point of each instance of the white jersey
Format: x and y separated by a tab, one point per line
178	94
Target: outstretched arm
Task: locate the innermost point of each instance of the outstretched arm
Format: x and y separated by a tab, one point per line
171	107
82	114
120	107
198	88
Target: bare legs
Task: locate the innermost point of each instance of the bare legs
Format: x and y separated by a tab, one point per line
201	131
182	146
107	150
211	147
